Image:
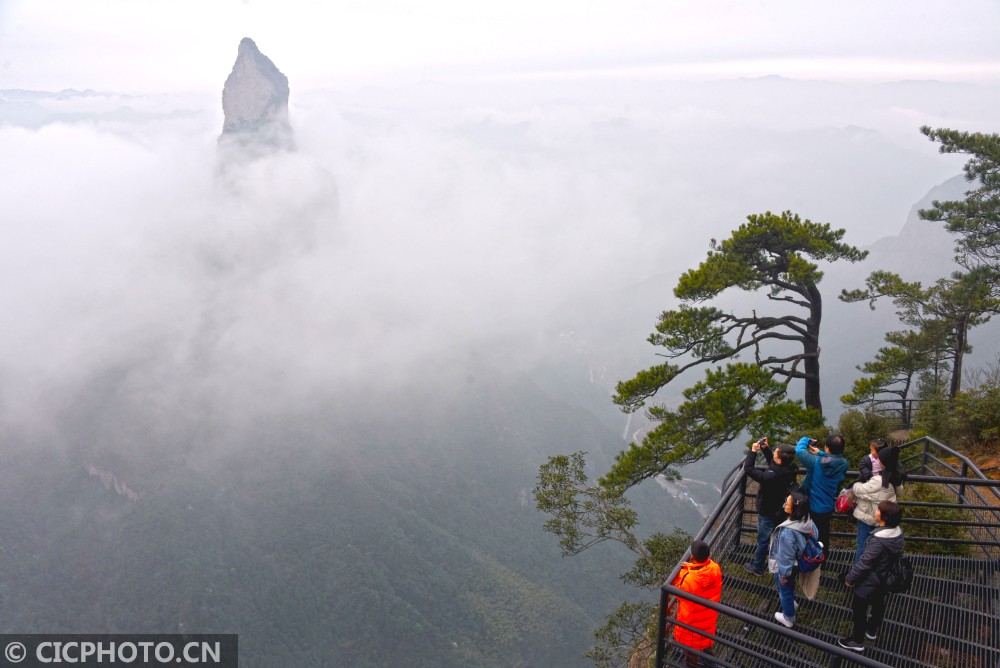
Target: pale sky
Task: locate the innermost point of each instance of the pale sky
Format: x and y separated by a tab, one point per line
189	45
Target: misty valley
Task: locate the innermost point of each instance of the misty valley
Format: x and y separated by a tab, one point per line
322	538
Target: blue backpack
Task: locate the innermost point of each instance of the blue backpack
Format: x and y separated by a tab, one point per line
812	556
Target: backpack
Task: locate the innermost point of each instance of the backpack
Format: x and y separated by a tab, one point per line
845	502
899	577
812	555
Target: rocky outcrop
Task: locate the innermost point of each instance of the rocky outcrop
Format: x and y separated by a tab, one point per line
111	481
255	104
287	194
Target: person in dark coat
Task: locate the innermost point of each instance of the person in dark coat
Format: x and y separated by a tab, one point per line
868	575
871	464
775	481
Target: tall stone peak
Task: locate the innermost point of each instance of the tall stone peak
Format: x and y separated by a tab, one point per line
255	102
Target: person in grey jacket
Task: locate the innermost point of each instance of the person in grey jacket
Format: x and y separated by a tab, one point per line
868	575
787	544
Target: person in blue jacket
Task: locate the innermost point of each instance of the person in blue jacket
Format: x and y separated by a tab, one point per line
787	544
824	472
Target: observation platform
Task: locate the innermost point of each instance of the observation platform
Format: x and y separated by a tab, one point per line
950	618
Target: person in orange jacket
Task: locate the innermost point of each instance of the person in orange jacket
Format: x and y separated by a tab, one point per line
702	577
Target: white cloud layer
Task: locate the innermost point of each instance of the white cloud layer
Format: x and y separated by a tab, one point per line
416	226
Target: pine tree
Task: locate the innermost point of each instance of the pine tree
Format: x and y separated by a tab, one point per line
891	377
948	309
769	252
976	219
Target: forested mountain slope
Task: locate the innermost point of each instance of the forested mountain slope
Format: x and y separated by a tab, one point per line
321	538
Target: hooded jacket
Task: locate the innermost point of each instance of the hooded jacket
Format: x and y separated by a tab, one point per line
774	481
886	462
787	544
824	472
867	467
704	579
868	495
869	573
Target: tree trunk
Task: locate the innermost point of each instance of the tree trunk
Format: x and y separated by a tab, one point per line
904	404
961	339
811	349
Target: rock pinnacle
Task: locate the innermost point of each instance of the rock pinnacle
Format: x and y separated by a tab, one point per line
255	102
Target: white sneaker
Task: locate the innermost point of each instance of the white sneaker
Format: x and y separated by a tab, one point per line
789	623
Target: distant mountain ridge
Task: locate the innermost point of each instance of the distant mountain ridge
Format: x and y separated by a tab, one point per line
917	238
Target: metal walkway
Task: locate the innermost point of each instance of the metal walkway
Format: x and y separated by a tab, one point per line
950	618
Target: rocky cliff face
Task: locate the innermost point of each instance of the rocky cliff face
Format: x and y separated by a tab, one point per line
255	103
286	198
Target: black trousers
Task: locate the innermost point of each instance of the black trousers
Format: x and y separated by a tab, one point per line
822	521
862	622
692	660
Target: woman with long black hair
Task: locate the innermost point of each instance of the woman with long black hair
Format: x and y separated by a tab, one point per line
787	544
882	486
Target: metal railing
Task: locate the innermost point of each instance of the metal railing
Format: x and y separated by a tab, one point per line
898	411
955	534
976	495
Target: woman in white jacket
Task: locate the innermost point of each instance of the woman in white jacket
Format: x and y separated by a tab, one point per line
884	486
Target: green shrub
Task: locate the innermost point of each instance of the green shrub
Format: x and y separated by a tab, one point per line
971	419
933	418
858	429
975	416
933	494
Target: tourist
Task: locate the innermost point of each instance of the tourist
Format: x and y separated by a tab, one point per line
701	577
882	486
774	481
868	576
824	472
787	544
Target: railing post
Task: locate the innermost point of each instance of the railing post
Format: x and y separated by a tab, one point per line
923	466
661	624
739	515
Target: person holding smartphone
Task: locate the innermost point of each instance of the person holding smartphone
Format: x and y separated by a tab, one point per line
825	470
775	480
